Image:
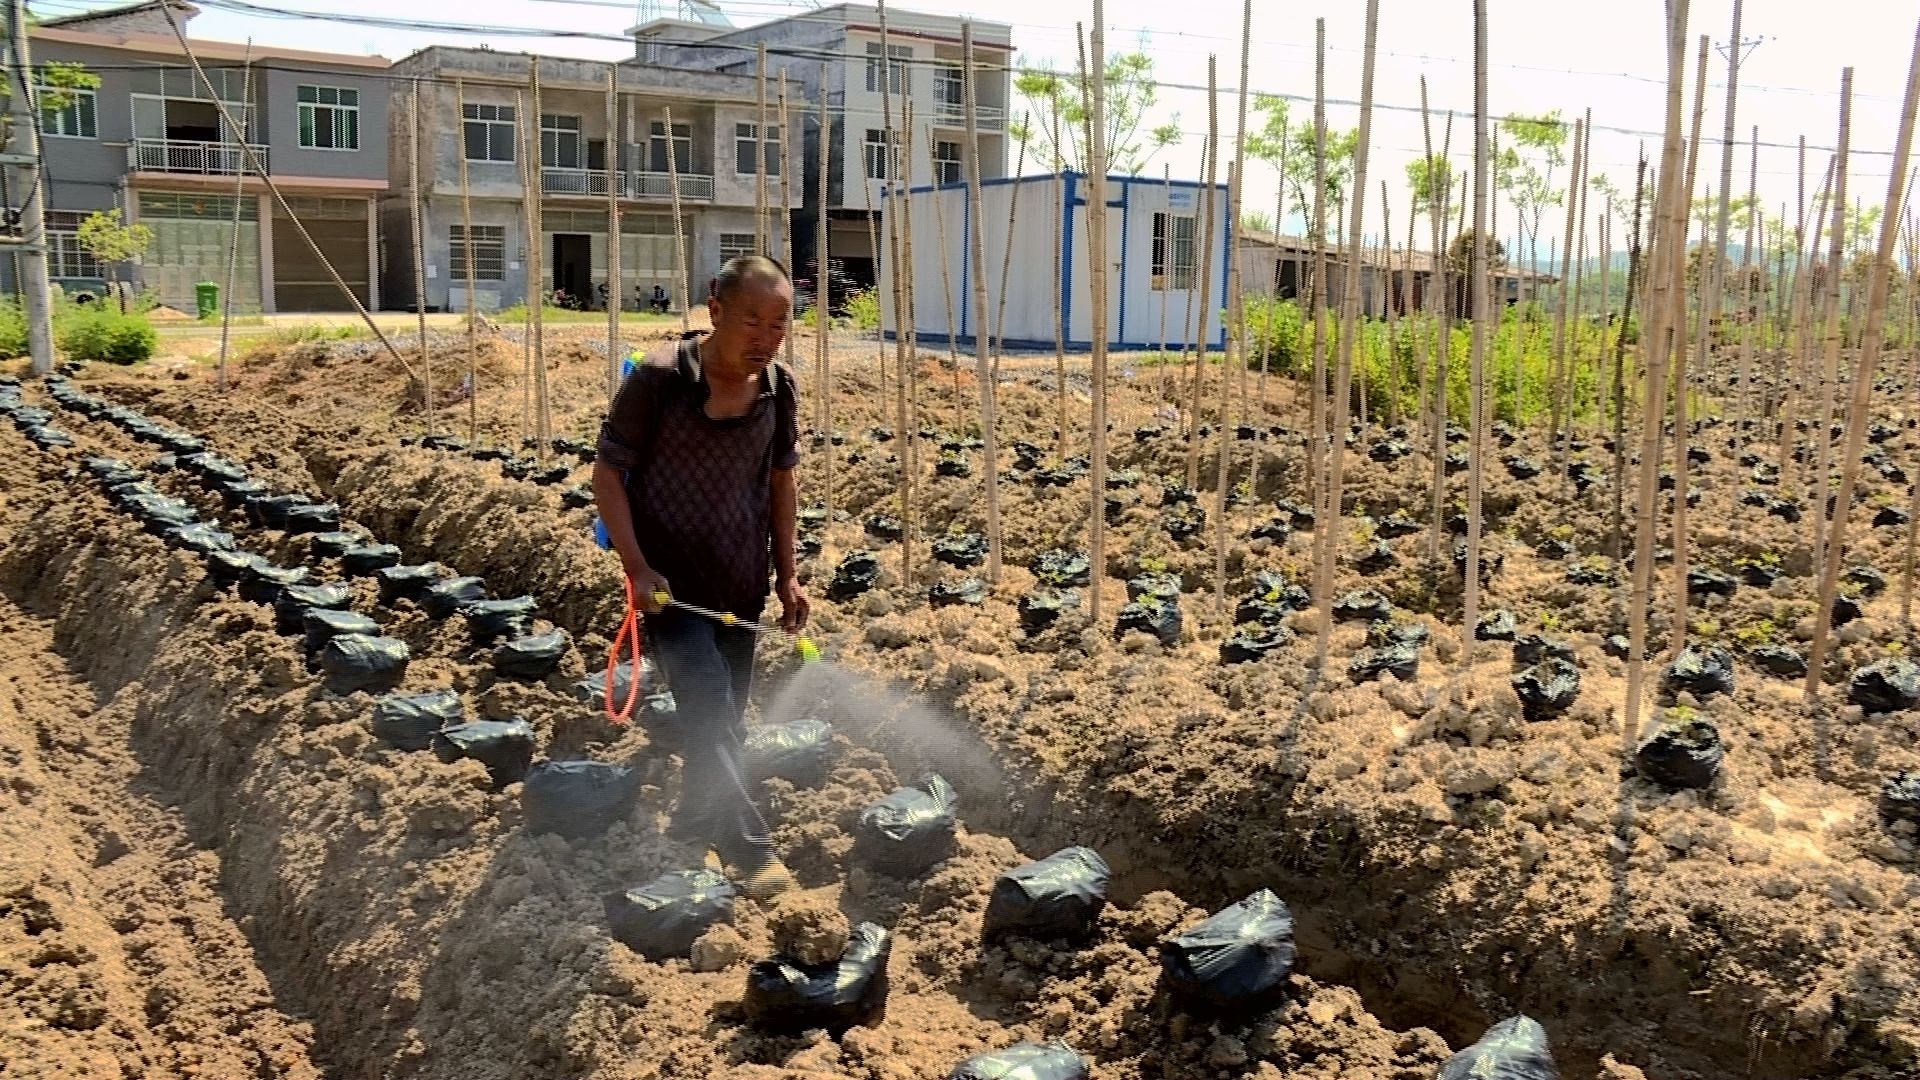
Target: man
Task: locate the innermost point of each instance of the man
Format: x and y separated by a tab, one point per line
695	482
660	300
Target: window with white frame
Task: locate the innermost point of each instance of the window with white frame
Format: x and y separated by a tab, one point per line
329	118
489	132
65	257
734	245
560	145
898	80
879	165
745	138
682	148
949	90
489	253
1173	252
946	162
77	116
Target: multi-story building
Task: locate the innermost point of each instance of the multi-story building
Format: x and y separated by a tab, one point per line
837	51
478	104
150	141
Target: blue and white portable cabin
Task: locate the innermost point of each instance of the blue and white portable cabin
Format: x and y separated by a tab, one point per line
1148	226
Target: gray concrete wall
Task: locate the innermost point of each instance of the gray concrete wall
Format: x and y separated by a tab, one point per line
280	108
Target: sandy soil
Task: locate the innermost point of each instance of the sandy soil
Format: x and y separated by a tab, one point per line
1448	862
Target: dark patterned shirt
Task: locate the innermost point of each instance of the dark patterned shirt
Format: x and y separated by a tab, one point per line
701	489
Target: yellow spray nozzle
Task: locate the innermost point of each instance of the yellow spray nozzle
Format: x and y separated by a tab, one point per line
728	618
809	652
661	598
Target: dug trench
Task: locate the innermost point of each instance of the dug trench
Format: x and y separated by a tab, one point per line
397	903
1766	948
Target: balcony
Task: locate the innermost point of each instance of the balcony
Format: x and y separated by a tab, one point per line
954	114
184	156
590	183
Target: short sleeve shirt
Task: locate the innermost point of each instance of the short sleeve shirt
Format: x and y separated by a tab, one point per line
701	488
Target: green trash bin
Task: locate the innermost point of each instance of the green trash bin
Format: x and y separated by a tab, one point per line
206	297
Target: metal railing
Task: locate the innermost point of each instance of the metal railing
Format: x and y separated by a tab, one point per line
185	156
633	185
955	113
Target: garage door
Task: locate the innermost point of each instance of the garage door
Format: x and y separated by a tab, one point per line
191	237
300	281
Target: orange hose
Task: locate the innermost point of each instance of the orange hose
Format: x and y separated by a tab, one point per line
629	631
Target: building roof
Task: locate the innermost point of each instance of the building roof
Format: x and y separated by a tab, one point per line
1400	259
120	12
143	27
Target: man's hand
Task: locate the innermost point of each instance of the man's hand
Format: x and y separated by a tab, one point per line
794	606
645	583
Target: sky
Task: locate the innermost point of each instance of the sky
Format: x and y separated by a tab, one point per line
1543	56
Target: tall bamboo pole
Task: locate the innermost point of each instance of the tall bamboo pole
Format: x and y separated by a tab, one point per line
786	208
762	243
1715	267
616	282
1570	394
233	235
1203	269
1442	303
939	197
1830	354
1556	436
1666	265
1477	356
1060	212
1006	259
1743	397
542	424
1317	406
983	363
1236	317
419	244
1636	269
1097	279
1682	427
822	301
466	243
895	206
536	296
1874	334
681	285
906	331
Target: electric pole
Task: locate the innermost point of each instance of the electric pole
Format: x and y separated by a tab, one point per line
22	159
1736	51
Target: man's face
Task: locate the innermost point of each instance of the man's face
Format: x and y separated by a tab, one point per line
752	323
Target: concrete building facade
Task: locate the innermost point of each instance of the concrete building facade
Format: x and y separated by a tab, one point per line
836	51
477	107
150	143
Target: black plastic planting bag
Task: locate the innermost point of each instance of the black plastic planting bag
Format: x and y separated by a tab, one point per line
1058	896
1255	644
663	918
290	610
227	567
1682	754
1149	615
1548	688
1239	956
1024	1061
1701	671
490	620
406	582
577	798
446	596
961	549
236	492
1499	625
200	538
312	518
1513	1049
799	751
363	560
856	574
1063	569
505	747
532	657
1400	659
1900	798
263	582
834	996
909	830
593	689
1780	660
322	625
971	592
1043	607
410	721
364	662
1531	649
332	545
1885	686
271	510
1362	604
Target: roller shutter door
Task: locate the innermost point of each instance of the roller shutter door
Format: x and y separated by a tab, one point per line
300	280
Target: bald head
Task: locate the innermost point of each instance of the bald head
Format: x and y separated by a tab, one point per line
755	271
752	304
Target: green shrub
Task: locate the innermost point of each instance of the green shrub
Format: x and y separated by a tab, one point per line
98	333
13	330
863	309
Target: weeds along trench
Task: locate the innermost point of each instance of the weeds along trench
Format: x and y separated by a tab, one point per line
1444	857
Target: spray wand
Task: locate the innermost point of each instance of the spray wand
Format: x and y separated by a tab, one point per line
629	633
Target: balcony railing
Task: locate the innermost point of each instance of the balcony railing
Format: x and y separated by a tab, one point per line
185	156
633	185
954	114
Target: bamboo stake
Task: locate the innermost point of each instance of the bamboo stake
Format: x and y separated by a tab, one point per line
680	283
1557	438
1390	286
536	296
1570	394
1682	427
1006	260
1830	355
897	287
1203	269
616	282
1617	524
419	244
1166	289
983	364
1743	403
1715	270
762	243
1236	316
1317	409
1667	264
1060	213
1477	356
946	290
1266	351
233	238
466	243
822	301
906	341
542	425
1442	303
1097	279
786	210
1874	334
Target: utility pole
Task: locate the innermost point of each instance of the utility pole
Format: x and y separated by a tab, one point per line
1736	51
22	159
